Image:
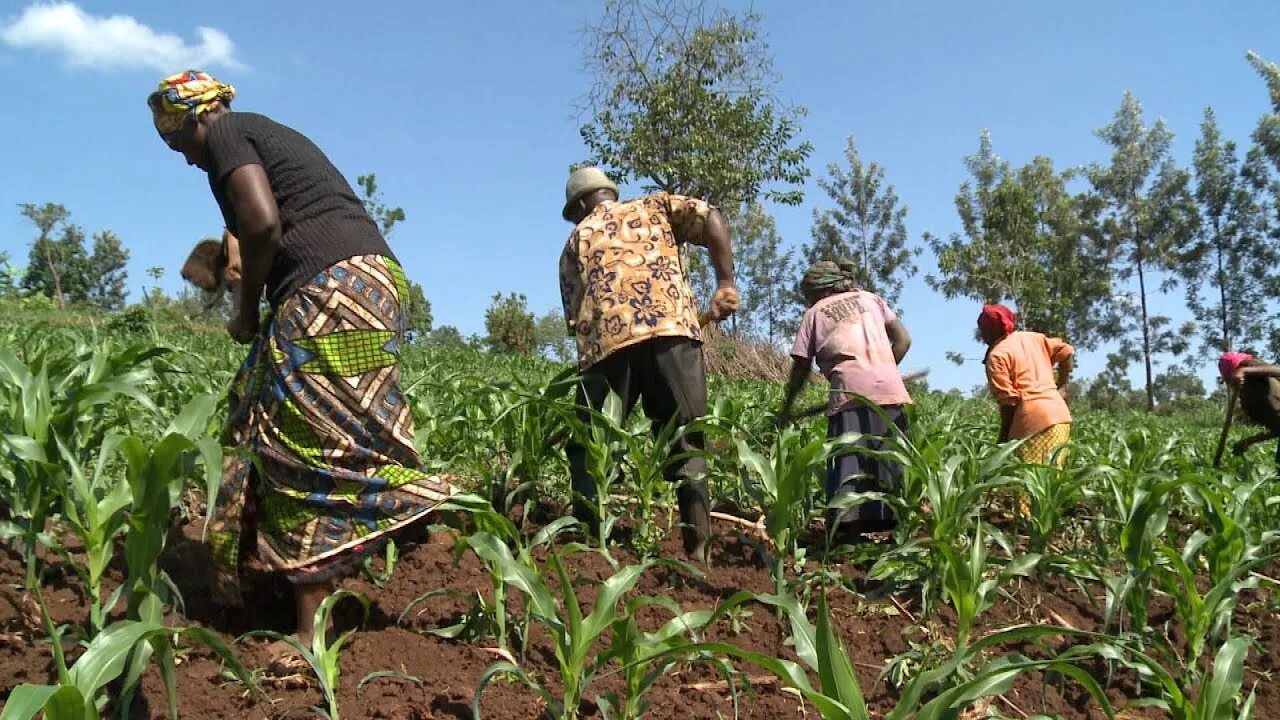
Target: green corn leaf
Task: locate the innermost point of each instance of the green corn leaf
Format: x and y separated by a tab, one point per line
835	672
26	701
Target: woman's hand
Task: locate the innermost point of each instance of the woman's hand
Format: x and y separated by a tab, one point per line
243	327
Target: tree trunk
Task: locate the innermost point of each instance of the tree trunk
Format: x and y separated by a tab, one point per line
53	273
1146	330
1222	290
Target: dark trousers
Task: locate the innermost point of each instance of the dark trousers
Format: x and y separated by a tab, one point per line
668	377
859	473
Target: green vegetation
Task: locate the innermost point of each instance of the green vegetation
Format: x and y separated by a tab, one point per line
108	438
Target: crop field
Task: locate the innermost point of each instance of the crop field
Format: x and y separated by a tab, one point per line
1137	582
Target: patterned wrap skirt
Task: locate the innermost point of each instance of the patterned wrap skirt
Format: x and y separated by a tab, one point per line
326	468
1040	448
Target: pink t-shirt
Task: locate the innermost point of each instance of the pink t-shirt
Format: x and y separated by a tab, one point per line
845	334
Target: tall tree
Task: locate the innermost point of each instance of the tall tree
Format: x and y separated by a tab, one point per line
417	309
1149	220
766	275
107	272
1231	262
1267	135
683	98
867	223
1028	240
46	264
508	324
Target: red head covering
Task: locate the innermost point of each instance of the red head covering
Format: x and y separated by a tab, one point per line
996	319
1230	362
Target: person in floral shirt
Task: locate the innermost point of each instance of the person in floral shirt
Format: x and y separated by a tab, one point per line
629	305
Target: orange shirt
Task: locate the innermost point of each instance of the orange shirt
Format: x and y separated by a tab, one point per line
1020	373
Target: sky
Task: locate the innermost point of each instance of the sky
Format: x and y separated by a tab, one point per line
466	112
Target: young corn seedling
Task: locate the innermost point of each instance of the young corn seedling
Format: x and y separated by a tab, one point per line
323	656
573	634
1215	696
80	693
93	510
966	584
494	533
782	485
646	657
154	475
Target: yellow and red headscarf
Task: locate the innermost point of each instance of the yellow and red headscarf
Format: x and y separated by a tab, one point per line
185	95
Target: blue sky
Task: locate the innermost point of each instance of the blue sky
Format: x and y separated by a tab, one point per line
465	112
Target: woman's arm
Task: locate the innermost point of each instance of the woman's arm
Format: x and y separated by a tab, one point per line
259	229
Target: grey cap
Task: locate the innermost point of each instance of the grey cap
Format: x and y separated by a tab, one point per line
583	181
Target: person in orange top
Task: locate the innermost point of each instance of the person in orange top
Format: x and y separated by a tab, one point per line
1020	374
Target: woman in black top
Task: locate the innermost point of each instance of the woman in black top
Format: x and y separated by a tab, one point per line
317	402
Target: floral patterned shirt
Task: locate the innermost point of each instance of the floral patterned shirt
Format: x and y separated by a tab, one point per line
622	279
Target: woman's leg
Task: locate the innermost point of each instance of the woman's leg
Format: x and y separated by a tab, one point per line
308	598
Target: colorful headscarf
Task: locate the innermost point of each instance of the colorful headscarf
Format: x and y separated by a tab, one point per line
1230	362
996	319
185	95
827	277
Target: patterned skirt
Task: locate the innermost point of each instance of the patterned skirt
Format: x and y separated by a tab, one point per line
327	468
1039	448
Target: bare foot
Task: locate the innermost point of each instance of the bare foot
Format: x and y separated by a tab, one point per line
284	659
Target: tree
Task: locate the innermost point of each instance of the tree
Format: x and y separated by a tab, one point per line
1149	221
417	309
551	339
8	276
107	272
867	224
1267	135
446	336
1230	255
417	315
766	274
50	257
508	324
683	99
1029	241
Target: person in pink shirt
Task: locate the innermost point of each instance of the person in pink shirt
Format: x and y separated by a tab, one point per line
857	342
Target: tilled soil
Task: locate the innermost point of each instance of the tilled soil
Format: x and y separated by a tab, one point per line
448	671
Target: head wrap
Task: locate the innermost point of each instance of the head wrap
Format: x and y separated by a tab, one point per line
996	319
826	277
1230	362
185	95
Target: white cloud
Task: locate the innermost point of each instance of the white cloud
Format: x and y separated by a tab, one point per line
115	42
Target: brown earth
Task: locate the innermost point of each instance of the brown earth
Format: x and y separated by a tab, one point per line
448	670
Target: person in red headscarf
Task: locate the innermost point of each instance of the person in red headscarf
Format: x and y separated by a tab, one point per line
1020	375
1259	385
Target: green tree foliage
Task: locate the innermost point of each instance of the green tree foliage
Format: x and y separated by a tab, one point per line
867	223
51	257
446	336
8	276
107	272
386	217
417	309
508	325
1230	267
766	277
683	99
551	338
1148	223
1029	241
1267	136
